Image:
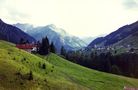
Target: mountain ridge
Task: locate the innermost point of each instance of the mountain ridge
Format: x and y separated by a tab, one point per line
13	34
115	36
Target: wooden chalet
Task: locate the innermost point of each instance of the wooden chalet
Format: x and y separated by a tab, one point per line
27	47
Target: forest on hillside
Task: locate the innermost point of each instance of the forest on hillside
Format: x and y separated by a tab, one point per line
122	64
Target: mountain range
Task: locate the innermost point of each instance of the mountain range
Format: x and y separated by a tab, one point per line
126	35
56	35
120	36
13	34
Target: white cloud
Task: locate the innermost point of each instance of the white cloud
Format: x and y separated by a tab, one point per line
129	4
78	17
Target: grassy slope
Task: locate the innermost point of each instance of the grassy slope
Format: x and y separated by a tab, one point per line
58	75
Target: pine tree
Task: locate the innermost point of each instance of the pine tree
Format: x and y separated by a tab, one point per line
21	41
44	46
63	51
52	48
47	44
27	42
38	46
115	69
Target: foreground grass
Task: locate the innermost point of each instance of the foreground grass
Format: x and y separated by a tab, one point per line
59	74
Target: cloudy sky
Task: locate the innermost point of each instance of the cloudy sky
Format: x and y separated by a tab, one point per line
78	17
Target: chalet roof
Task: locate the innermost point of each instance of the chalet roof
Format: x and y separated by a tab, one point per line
26	46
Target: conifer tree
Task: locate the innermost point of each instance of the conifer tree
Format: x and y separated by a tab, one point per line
63	51
44	47
52	48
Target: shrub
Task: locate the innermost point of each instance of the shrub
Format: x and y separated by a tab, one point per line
52	70
44	66
39	64
21	83
9	53
24	58
14	58
30	75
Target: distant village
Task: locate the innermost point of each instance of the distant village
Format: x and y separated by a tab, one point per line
113	49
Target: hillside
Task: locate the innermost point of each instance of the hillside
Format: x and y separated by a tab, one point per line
56	35
116	36
58	73
131	40
13	34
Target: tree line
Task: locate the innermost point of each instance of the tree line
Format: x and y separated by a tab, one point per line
122	64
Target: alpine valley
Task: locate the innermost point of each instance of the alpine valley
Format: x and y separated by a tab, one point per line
61	61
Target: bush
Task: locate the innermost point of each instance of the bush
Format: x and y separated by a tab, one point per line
9	53
30	75
44	66
14	58
52	70
39	64
21	83
24	58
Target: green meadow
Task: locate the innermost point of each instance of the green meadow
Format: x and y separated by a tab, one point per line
20	70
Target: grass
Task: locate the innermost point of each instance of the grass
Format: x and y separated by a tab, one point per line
58	74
